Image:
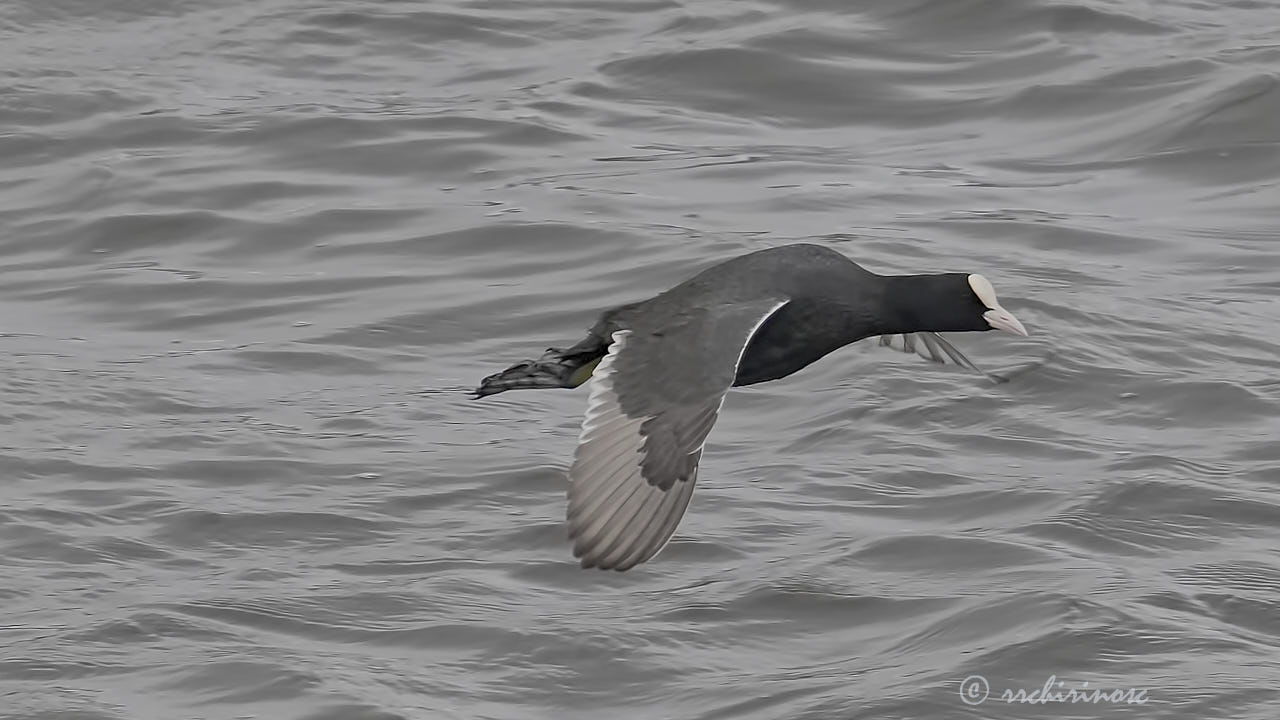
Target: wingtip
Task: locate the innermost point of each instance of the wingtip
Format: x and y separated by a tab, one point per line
593	564
589	560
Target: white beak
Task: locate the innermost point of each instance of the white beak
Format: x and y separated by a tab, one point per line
1001	319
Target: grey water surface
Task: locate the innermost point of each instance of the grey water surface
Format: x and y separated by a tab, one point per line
254	252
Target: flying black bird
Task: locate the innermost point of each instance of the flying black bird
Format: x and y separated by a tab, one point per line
659	370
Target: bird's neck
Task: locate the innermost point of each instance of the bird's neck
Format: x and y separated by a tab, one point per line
917	303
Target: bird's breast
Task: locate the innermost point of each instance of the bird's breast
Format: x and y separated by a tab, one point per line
799	334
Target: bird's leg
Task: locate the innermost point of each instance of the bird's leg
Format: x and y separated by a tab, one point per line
557	368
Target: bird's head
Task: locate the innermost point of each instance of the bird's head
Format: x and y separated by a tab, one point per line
996	317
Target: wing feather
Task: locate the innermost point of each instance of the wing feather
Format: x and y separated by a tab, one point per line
930	346
662	525
653	400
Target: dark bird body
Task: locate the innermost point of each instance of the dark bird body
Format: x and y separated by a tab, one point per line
660	368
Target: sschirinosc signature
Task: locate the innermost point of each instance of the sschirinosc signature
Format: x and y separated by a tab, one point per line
975	690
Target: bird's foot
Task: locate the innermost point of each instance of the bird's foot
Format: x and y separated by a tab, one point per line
553	370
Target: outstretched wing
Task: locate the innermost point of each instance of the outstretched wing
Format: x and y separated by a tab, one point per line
930	346
653	400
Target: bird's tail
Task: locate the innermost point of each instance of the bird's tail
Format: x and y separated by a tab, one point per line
555	369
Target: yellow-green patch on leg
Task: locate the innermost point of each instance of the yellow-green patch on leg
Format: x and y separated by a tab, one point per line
583	373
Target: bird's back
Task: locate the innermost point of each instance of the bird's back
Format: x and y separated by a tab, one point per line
831	300
791	270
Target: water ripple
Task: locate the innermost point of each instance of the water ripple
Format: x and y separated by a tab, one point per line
254	254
